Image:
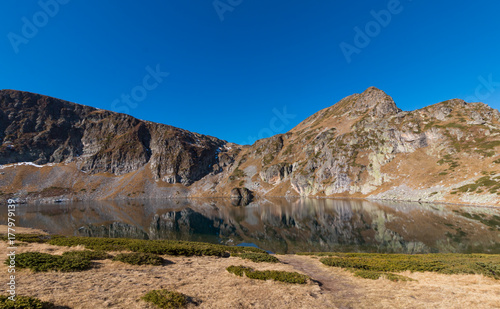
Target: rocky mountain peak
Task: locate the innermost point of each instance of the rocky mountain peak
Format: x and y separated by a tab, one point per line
372	102
376	102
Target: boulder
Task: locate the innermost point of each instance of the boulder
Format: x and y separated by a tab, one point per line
241	196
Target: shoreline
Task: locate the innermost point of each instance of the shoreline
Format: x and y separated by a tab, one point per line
62	200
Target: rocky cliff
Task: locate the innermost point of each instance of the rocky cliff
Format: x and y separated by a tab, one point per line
41	129
363	146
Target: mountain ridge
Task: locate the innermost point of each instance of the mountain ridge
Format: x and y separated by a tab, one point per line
363	146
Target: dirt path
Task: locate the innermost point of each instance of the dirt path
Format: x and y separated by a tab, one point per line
347	293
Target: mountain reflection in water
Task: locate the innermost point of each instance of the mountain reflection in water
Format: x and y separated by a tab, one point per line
280	225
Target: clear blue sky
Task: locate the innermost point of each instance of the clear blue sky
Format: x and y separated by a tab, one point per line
229	68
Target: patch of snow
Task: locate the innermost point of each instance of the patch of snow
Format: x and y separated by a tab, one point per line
24	163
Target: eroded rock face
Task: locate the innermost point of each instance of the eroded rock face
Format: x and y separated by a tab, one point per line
276	173
41	129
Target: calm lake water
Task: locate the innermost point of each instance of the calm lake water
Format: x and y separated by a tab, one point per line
279	225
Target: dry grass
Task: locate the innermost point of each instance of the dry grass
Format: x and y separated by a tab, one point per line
22	230
205	279
119	285
430	290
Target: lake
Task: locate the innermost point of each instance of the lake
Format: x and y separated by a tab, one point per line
279	225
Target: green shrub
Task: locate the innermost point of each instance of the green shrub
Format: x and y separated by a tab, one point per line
237	173
30	238
161	247
486	183
282	276
166	299
37	261
88	254
489	145
103	244
24	302
139	258
258	257
239	270
485	264
368	274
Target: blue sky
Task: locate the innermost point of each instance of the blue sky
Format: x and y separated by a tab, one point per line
241	69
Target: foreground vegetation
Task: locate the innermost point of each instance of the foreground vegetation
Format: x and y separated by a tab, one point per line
166	299
160	247
68	261
37	262
144	252
373	265
24	302
257	257
139	258
282	276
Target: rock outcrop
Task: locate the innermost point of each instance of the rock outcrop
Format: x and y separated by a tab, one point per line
241	196
276	173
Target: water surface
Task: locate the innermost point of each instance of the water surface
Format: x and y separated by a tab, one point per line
279	225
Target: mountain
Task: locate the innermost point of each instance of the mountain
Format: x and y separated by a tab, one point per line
43	130
364	146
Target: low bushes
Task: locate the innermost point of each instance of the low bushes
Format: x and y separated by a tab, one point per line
487	265
68	261
160	247
37	261
30	238
24	302
166	299
88	255
483	184
138	258
282	276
